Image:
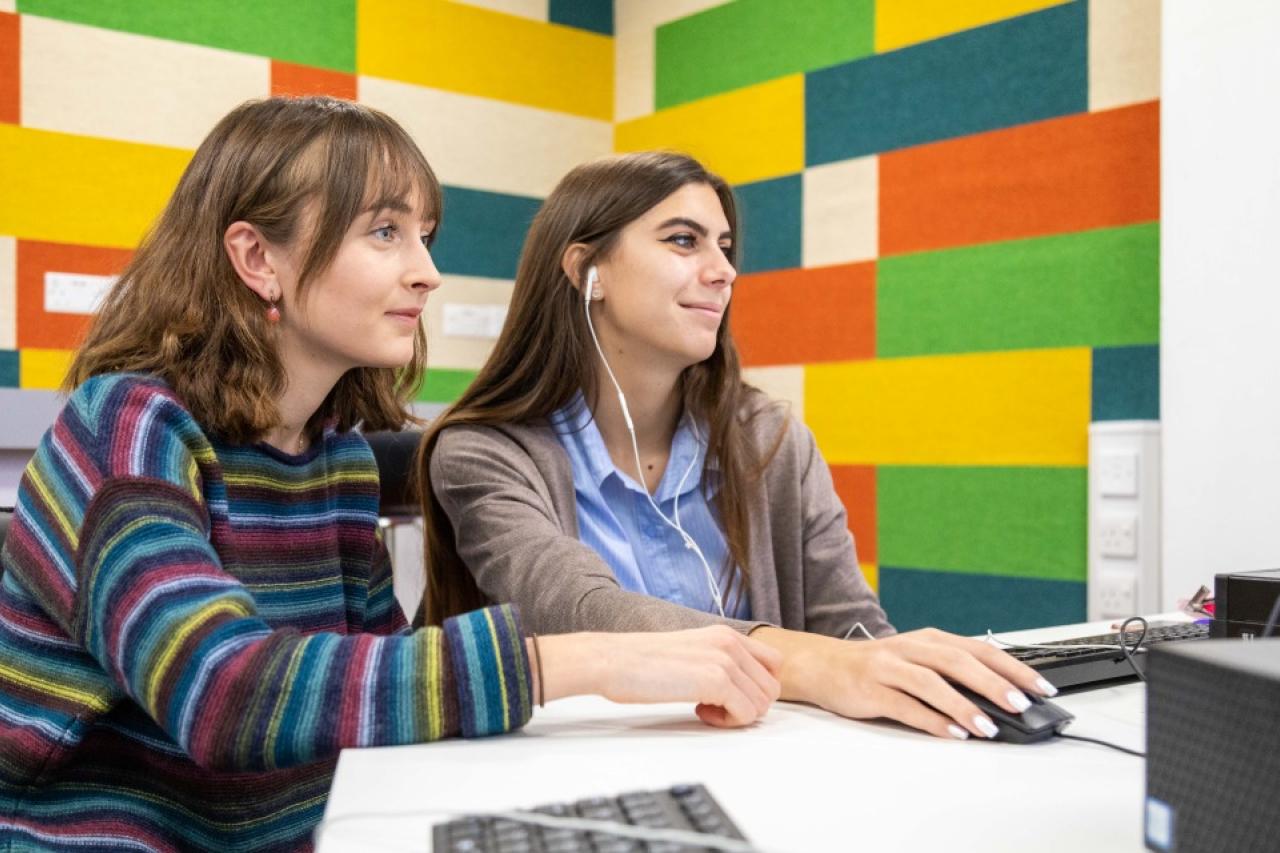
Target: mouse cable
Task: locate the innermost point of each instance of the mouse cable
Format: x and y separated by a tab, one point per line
1128	652
688	838
1104	743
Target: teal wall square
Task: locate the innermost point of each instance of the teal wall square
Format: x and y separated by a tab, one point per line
1126	383
770	224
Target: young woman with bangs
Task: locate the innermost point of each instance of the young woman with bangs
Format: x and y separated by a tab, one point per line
196	612
609	470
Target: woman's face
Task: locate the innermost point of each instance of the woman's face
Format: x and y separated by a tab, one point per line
364	310
667	283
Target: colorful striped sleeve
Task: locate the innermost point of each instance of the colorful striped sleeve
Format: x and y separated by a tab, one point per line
181	637
382	613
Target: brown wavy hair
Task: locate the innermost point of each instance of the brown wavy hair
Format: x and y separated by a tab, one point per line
544	356
301	170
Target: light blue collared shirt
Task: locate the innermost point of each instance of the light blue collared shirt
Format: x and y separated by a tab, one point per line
616	520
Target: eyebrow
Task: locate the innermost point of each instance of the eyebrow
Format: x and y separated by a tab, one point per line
396	205
695	225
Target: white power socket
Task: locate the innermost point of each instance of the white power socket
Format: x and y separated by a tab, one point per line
1117	474
1117	595
1118	535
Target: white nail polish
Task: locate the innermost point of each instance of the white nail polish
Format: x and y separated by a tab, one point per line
1046	688
985	726
1019	700
957	732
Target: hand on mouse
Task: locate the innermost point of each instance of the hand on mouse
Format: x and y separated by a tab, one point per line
904	678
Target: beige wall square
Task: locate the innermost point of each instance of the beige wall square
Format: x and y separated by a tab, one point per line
97	82
486	144
8	293
841	219
1124	52
535	9
784	383
467	353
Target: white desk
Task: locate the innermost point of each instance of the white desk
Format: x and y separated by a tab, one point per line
799	780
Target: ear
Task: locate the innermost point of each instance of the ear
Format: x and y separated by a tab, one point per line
571	263
252	258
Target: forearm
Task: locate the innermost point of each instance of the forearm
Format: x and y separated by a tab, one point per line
803	674
566	665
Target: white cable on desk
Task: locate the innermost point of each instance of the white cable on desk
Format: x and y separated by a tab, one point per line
577	824
992	638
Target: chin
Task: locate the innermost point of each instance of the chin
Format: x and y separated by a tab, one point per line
394	360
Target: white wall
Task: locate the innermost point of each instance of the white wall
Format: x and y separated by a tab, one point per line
1220	312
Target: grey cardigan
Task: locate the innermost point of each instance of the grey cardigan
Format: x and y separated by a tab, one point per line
508	492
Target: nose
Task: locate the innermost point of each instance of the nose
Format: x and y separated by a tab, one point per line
718	271
422	274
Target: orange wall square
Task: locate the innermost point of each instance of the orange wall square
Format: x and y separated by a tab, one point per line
10	68
856	486
40	329
798	316
1089	170
290	79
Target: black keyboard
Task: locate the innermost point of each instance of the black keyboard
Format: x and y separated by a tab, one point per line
1095	667
687	807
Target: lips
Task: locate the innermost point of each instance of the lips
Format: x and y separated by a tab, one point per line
711	309
407	313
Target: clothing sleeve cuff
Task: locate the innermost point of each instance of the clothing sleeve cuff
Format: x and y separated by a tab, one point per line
491	670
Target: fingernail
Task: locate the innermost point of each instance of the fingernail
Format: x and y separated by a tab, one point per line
1019	700
985	726
1046	688
957	732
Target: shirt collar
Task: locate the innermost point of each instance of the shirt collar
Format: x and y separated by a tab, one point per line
688	450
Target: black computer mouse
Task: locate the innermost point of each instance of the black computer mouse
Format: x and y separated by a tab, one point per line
1040	722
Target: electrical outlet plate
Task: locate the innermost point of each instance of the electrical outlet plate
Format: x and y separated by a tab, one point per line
1118	474
462	320
1117	595
75	293
1118	536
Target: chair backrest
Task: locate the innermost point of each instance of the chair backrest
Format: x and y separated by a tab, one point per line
394	452
6	515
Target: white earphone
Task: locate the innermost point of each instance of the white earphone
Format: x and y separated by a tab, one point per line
592	291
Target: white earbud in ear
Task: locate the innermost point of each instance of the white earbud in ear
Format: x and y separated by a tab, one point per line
593	284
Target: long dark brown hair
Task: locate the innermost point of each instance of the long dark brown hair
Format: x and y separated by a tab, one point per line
544	356
180	312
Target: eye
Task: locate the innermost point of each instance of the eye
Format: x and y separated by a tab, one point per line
727	249
385	232
428	239
684	240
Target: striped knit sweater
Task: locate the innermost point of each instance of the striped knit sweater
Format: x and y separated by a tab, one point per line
190	632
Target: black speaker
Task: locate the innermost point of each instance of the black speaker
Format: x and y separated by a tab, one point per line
1213	746
1243	601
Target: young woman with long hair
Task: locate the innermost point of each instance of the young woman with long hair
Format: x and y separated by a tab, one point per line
609	469
196	612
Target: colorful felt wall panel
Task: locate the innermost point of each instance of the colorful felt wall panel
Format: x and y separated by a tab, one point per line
959	274
102	105
949	215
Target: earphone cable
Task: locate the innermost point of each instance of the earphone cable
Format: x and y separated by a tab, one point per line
712	585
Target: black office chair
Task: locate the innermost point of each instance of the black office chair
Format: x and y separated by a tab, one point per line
6	516
394	452
398	507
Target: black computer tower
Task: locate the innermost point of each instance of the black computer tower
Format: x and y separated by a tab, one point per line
1213	746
